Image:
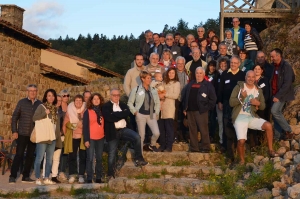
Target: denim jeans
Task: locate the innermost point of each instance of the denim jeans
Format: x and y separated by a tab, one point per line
125	134
280	123
63	161
96	146
41	148
252	55
166	129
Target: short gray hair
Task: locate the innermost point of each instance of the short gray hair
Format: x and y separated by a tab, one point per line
190	35
221	44
170	34
154	53
228	30
200	68
201	28
236	57
31	86
178	58
114	89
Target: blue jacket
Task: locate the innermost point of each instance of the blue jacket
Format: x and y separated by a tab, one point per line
242	33
206	97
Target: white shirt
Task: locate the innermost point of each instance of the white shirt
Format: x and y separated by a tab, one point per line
251	94
121	123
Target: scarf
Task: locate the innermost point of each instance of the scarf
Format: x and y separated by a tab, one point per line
97	110
73	112
53	111
229	44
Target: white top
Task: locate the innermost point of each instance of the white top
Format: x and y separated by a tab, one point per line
121	123
251	94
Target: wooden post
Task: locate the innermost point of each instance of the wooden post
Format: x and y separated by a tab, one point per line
222	20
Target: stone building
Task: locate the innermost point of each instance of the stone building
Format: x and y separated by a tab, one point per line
26	59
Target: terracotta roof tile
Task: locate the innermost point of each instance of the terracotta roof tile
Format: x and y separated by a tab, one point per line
24	32
63	73
86	62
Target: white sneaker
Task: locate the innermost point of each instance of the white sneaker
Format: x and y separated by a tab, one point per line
48	181
81	179
62	176
72	179
39	182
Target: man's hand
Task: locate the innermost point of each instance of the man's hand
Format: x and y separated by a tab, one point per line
244	93
87	144
220	106
14	136
254	102
135	113
275	99
184	113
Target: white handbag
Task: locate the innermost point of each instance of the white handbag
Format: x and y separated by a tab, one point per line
43	130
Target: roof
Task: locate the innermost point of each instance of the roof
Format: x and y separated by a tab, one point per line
6	24
100	68
60	73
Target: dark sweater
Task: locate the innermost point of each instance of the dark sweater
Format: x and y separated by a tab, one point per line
111	117
21	121
194	65
227	83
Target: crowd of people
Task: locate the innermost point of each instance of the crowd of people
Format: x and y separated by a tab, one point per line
178	87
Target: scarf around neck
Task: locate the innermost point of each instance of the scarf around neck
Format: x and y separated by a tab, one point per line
53	111
73	112
97	110
229	44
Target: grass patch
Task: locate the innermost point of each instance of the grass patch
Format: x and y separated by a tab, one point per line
142	176
155	175
60	190
181	163
76	192
160	163
107	189
22	194
164	172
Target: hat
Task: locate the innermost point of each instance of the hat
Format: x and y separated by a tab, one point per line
64	92
161	35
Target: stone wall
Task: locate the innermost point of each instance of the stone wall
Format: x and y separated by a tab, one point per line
19	66
46	83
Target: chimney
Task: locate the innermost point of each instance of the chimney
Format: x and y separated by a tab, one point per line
13	14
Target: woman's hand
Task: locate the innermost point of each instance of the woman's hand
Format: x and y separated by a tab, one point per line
162	96
47	111
79	125
87	144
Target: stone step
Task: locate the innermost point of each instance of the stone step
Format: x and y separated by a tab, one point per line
177	156
177	186
182	146
161	171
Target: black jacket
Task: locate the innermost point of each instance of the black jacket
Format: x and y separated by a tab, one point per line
111	117
286	77
159	50
206	97
21	121
175	50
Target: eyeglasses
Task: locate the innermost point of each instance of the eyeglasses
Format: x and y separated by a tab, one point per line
32	91
66	95
115	95
200	31
168	39
235	21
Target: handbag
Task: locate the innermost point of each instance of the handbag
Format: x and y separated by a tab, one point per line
43	130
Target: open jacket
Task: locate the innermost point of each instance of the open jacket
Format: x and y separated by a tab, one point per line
137	97
236	102
168	106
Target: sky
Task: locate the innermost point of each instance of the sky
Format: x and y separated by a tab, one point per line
51	19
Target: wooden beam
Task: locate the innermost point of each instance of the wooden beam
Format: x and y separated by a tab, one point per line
231	4
253	15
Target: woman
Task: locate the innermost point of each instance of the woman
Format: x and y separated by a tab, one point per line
246	64
166	60
203	49
166	121
263	83
144	103
213	52
252	41
182	41
212	75
72	127
232	47
210	34
47	109
93	134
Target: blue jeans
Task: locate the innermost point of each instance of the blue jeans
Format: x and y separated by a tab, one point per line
41	148
125	134
280	123
96	146
252	55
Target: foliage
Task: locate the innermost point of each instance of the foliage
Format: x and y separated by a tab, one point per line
118	52
181	163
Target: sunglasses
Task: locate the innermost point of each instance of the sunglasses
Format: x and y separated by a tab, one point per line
66	95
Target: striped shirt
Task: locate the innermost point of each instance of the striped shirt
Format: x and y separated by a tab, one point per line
250	43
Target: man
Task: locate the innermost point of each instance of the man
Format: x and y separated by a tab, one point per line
132	79
146	45
198	98
86	95
238	33
222	54
21	127
162	38
177	37
269	69
246	98
200	32
282	91
175	50
116	128
157	47
180	134
228	81
153	66
187	50
193	64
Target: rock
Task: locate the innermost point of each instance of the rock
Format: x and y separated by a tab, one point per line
295	129
276	159
296	146
288	155
218	171
297	158
134	185
251	165
286	162
246	175
264	161
278	166
192	176
261	193
278	197
285	144
281	151
276	192
279	185
298	168
286	179
293	121
168	176
174	170
257	159
294	191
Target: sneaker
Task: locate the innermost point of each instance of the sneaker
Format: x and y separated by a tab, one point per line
146	147
54	179
153	148
12	180
81	179
27	180
39	182
99	181
48	181
140	163
72	179
62	176
160	149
